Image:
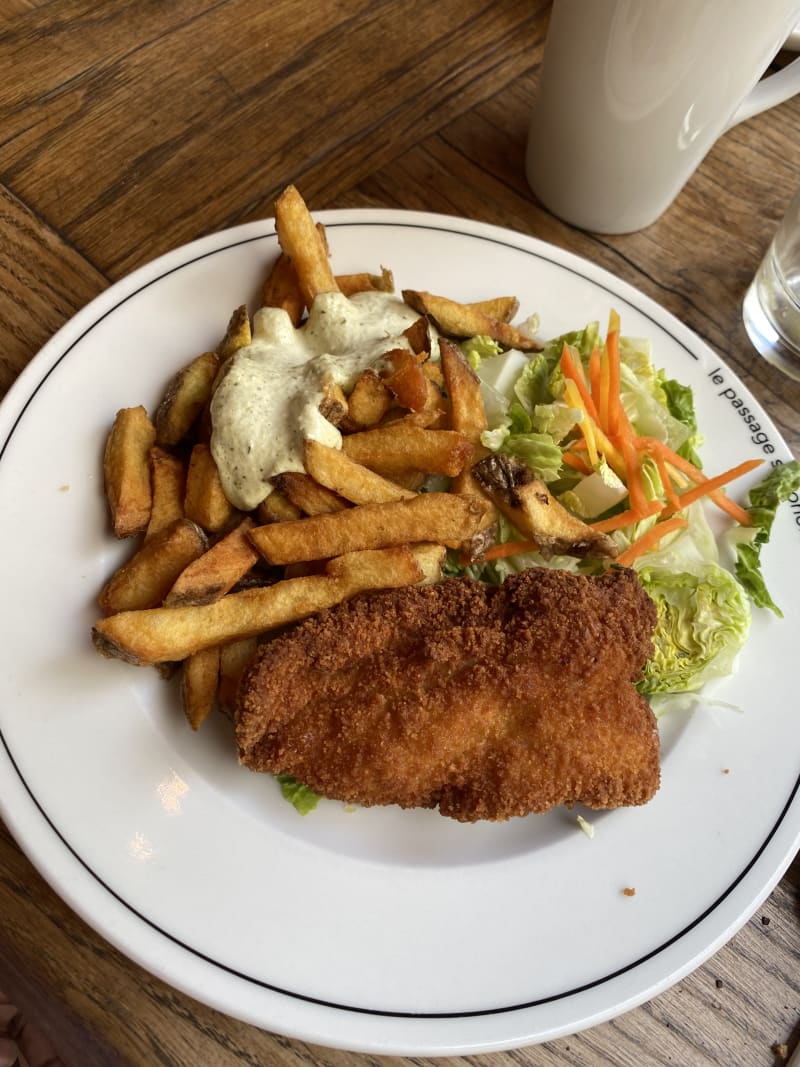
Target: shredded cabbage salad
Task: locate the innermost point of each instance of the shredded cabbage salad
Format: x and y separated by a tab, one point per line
618	445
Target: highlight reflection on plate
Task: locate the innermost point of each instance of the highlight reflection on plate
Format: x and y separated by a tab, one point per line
380	930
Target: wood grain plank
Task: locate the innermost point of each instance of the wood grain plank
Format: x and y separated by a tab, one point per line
321	108
43	282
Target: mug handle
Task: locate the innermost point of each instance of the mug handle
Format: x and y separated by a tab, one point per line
769	92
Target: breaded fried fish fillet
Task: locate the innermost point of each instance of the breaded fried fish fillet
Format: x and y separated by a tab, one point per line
486	701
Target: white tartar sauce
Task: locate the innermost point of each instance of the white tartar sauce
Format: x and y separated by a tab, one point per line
266	402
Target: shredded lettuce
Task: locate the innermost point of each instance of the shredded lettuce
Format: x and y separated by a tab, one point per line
595	494
303	798
680	404
477	349
781	482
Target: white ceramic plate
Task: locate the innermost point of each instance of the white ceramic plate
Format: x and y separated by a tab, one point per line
375	930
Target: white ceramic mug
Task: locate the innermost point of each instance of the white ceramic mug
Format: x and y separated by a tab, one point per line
633	94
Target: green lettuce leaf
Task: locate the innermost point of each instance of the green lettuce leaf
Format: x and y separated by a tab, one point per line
680	404
303	798
703	623
781	482
479	348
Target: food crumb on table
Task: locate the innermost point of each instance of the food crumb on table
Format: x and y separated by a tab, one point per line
629	891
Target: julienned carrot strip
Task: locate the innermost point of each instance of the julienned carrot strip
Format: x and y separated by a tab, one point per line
627	518
614	403
602	407
509	548
577	463
571	371
740	514
649	539
666	480
708	486
633	474
594	376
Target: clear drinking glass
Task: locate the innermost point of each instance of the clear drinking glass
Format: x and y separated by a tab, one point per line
771	309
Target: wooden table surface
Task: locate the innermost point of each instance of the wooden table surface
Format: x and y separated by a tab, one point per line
132	126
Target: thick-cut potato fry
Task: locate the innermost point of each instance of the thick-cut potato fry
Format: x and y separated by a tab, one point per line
418	335
233	658
168	635
206	503
368	402
528	504
237	335
405	445
281	289
186	396
467	320
307	494
334	469
215	572
277	508
431	559
502	308
366	283
168	482
468	416
147	577
199	685
126	471
301	241
333	405
467	412
442	517
406	379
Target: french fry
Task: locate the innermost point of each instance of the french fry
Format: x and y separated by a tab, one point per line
467	412
237	335
170	634
334	469
205	502
145	579
233	658
186	396
406	379
468	417
467	320
168	482
368	402
301	241
528	504
418	335
333	405
502	308
404	445
281	289
441	517
126	471
215	572
431	559
199	685
308	495
366	283
277	508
